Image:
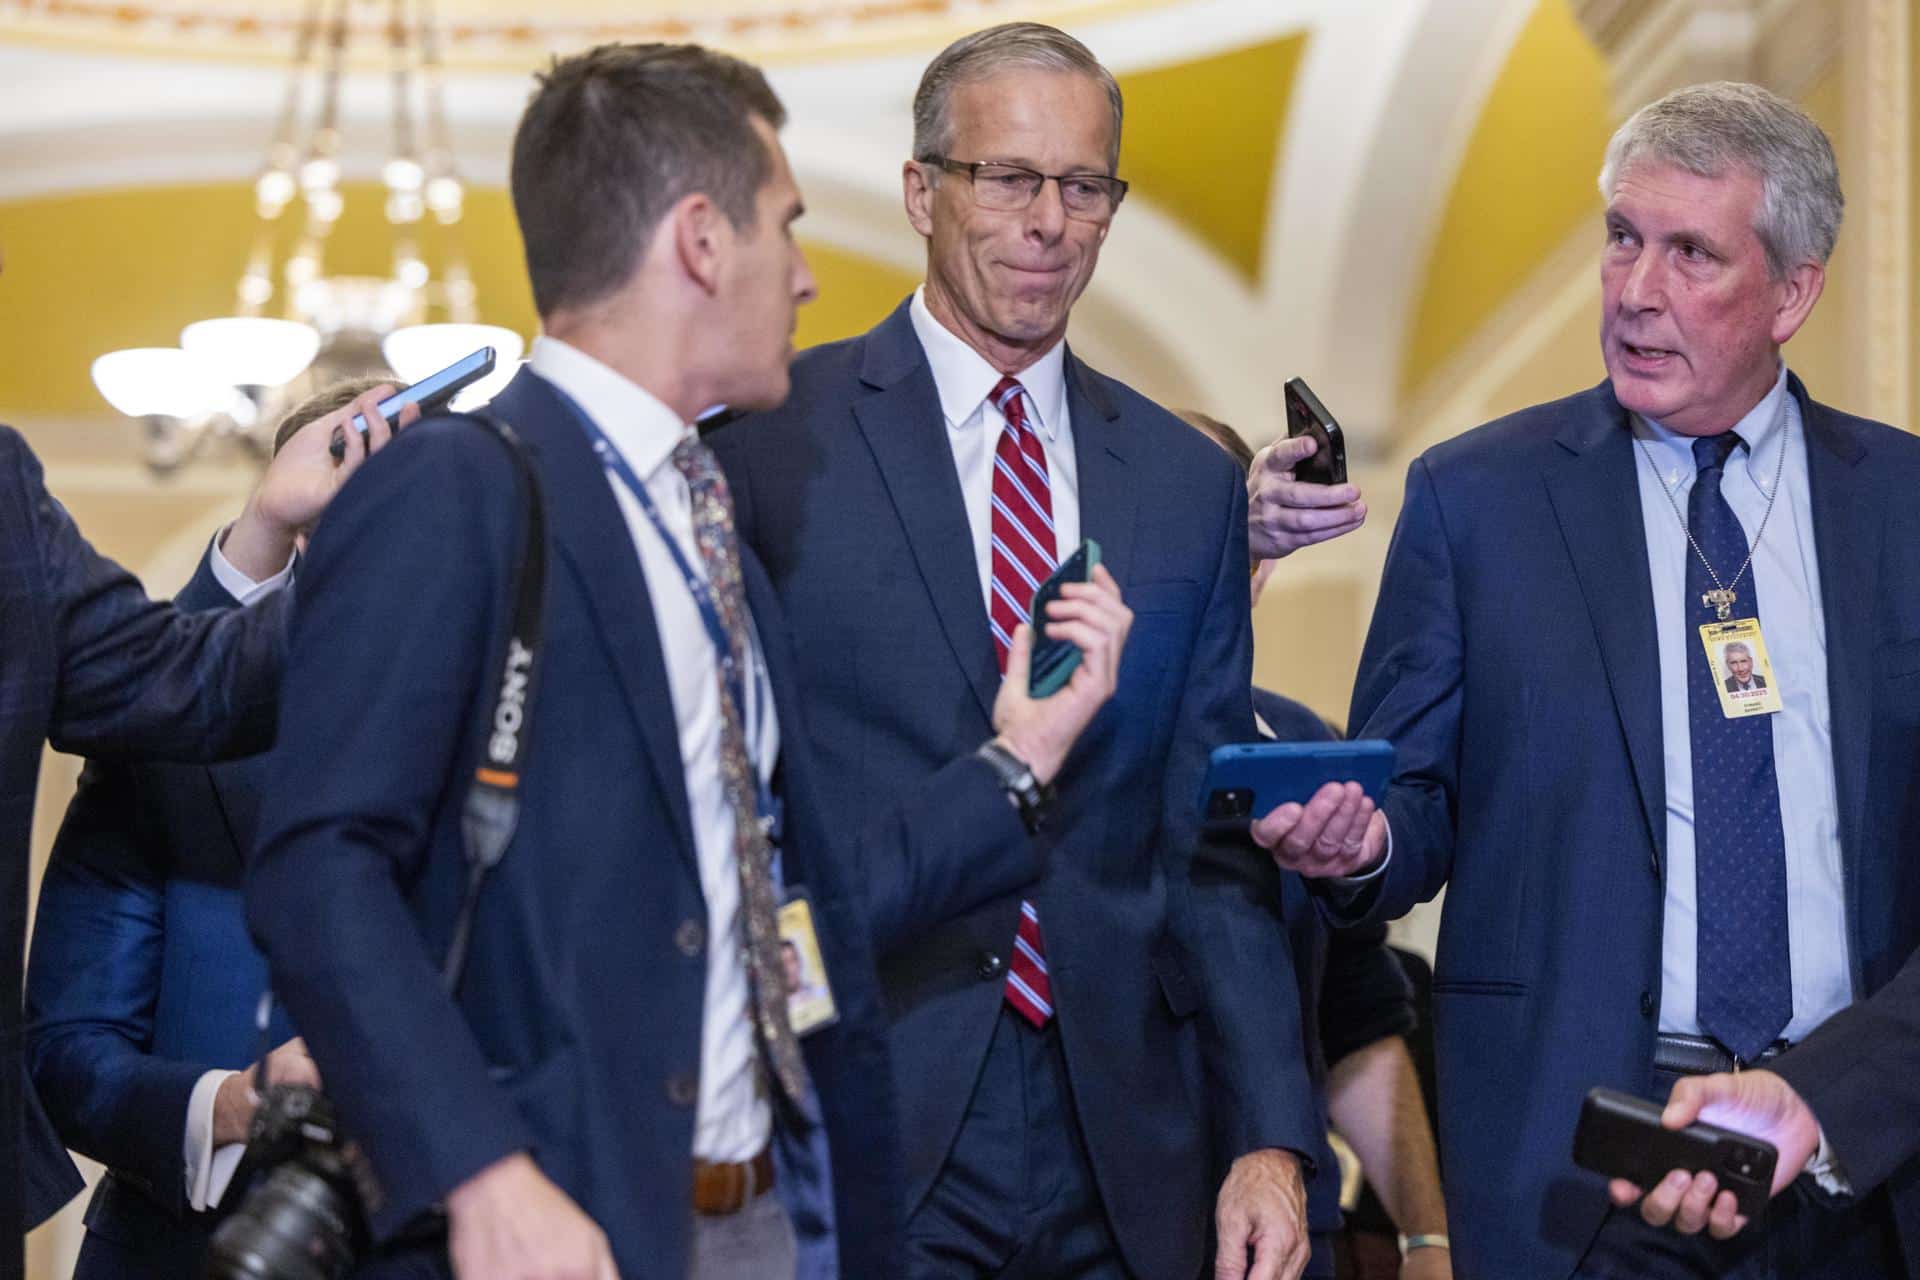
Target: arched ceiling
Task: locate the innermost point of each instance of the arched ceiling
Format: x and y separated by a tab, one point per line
1292	161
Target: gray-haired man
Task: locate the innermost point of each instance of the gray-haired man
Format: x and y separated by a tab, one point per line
1646	883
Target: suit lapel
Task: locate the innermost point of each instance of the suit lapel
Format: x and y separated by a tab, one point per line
1595	496
1847	535
592	536
1106	491
907	434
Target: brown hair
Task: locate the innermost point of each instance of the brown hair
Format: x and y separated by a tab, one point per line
1220	433
336	395
616	136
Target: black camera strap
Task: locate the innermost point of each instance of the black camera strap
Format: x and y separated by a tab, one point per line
492	808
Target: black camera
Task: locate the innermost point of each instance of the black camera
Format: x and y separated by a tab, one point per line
304	1216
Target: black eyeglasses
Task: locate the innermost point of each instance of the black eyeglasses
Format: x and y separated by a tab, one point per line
1008	188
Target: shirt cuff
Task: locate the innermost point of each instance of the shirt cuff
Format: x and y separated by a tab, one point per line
1355	882
1824	1168
239	585
208	1169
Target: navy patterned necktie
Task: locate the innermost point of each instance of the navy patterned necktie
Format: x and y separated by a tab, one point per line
713	534
1745	979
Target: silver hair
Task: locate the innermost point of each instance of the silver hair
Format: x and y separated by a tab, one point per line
974	57
1710	129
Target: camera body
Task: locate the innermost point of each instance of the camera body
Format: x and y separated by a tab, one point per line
307	1191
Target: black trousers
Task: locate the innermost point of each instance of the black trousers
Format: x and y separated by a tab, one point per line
1016	1197
1801	1239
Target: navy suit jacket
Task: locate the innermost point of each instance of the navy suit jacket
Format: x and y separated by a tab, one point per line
1541	803
92	665
576	1032
1353	991
142	980
850	497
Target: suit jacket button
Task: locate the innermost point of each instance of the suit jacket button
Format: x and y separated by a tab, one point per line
1646	1004
991	966
690	938
682	1090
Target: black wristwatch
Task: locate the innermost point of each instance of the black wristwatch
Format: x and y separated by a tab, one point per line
1024	791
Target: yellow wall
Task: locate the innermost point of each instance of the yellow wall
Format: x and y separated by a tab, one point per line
100	270
1217	179
1819	352
1527	177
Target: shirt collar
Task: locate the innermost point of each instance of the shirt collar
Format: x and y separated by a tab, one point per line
642	428
1757	430
964	379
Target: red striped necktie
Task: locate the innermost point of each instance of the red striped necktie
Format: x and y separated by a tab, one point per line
1023	556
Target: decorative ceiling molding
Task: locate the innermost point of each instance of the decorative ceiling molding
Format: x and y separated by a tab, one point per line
1655	46
1879	112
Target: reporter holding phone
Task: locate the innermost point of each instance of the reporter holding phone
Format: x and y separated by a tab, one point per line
142	985
1357	1008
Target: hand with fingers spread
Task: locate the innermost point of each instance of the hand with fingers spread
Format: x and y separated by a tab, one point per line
1040	732
1262	1209
1758	1103
1338	832
302	479
1285	514
509	1222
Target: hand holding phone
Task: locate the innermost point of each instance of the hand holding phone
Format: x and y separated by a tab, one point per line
1053	660
1621	1136
1248	780
431	393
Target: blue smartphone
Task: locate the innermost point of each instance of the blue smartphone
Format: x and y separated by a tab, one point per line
1250	780
1053	661
431	393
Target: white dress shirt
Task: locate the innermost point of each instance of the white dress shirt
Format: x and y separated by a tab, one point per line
733	1120
964	380
1786	578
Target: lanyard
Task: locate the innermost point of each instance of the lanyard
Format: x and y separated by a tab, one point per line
733	680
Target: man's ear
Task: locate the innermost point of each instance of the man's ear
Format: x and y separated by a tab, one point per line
700	236
917	190
1797	291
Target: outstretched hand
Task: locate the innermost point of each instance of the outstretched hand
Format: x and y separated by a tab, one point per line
1285	514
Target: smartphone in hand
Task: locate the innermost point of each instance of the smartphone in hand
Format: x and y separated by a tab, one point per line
1621	1136
1306	416
1053	661
431	393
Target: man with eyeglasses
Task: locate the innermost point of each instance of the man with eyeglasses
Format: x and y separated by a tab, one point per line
1079	1067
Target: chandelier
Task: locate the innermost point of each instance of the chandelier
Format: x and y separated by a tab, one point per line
295	325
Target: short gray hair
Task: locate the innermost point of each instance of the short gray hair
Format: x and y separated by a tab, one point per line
1710	129
1012	44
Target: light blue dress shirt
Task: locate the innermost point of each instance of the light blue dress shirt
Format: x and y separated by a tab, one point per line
1786	574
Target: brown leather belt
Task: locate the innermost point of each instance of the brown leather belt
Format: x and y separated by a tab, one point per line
721	1189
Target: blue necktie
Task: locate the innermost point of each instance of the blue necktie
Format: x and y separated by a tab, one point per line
1745	978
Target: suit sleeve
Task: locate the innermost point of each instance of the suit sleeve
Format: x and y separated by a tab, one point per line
955	844
1231	922
139	678
401	593
93	984
1860	1072
1408	691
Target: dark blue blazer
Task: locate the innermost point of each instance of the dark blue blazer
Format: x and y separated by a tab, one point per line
142	980
89	663
1352	989
1540	802
576	1033
1171	976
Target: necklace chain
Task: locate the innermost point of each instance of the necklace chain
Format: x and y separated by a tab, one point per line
1773	494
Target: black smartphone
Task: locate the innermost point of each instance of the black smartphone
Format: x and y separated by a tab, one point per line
1306	416
1053	661
431	393
1621	1136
